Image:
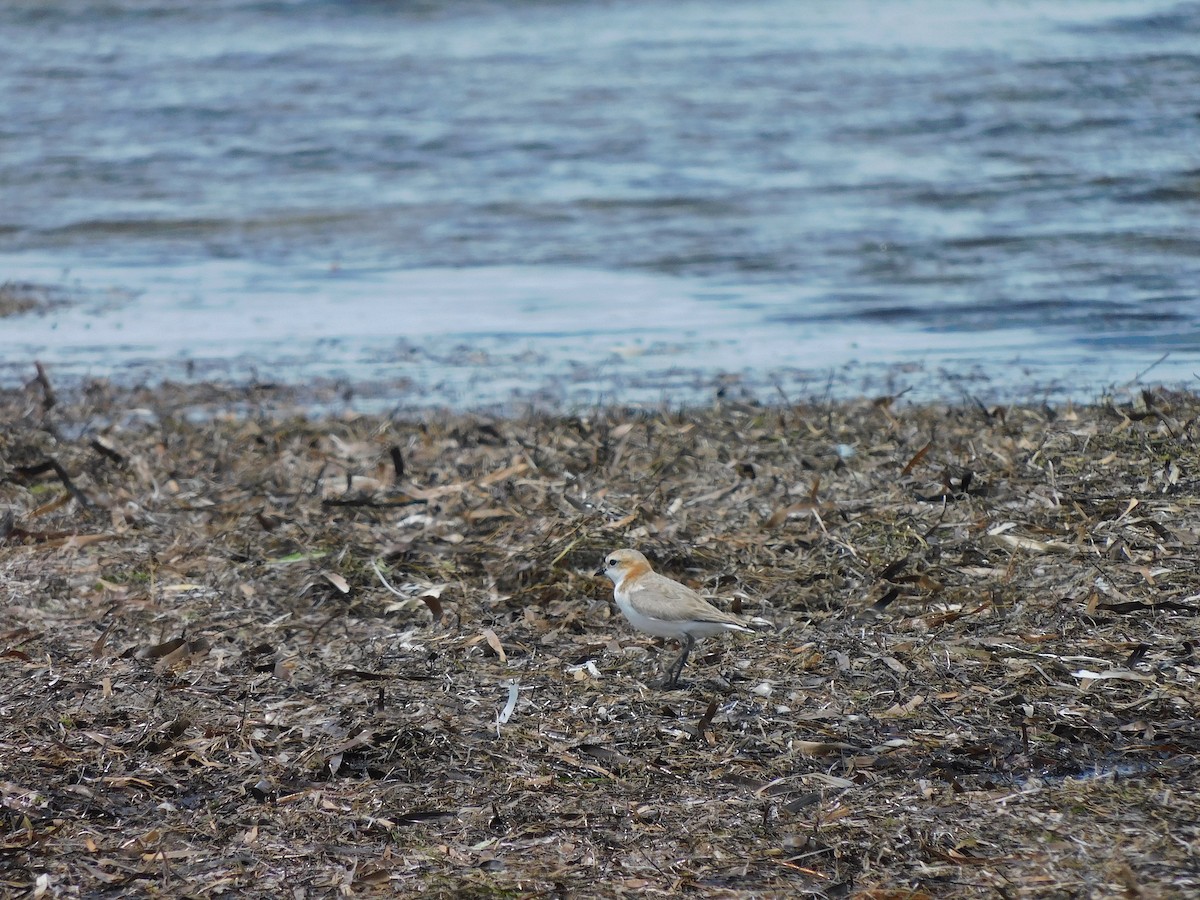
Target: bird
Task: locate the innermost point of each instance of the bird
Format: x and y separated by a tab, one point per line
661	606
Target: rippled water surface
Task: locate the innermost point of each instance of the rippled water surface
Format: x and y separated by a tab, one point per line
580	201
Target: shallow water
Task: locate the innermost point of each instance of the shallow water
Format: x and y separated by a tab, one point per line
570	202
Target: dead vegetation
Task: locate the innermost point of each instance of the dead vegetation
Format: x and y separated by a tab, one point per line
983	679
21	298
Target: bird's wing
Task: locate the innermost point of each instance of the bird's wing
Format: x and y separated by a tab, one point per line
663	598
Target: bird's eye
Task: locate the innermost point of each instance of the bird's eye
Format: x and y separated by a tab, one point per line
610	562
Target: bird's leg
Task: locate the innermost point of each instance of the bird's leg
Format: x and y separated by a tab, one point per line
677	667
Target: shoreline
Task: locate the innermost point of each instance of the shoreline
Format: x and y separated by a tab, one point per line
983	648
186	387
553	361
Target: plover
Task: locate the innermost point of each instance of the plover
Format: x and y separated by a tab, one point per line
663	607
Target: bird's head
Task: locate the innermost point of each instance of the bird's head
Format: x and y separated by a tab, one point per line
620	563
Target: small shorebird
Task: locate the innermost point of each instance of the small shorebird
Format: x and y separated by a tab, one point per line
663	607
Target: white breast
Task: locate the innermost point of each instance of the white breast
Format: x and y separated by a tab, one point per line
657	627
668	628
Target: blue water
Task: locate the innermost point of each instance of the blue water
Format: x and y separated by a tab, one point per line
466	201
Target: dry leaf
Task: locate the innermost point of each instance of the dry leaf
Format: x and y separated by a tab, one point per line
917	458
337	581
494	643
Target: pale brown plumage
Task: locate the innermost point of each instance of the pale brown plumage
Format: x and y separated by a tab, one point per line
662	606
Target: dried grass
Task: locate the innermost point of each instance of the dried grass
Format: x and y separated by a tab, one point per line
22	298
983	679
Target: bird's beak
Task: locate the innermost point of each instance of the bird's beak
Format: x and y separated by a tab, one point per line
599	572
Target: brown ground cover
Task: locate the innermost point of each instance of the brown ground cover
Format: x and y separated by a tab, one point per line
983	678
20	298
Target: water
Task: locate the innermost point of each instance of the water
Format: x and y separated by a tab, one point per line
464	202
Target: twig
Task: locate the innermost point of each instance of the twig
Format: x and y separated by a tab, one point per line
1138	376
